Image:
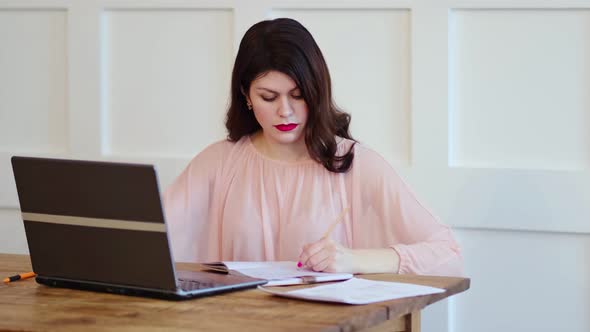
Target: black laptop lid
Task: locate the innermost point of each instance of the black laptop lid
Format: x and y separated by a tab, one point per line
94	221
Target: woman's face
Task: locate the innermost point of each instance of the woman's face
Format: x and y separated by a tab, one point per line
279	108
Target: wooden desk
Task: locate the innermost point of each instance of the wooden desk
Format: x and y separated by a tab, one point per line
28	306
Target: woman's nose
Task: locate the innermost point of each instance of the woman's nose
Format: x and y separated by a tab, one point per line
285	109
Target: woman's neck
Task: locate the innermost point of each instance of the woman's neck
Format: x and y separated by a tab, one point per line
293	152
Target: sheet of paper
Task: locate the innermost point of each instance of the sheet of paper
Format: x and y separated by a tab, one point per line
242	265
358	291
281	270
278	273
239	266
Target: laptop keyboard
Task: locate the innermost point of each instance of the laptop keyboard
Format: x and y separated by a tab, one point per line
190	285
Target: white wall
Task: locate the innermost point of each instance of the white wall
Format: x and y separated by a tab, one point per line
481	105
524	281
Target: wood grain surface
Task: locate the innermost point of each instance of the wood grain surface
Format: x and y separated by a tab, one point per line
28	306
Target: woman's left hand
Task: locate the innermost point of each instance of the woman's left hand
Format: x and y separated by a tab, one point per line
328	256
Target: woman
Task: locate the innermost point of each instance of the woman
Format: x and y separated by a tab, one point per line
274	188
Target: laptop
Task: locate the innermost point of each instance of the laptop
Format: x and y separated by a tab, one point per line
100	226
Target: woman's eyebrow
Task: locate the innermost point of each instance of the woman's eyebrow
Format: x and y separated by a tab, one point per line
270	90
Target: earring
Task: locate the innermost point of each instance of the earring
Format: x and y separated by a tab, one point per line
249	106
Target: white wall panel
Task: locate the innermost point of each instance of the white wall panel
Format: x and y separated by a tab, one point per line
523	281
369	62
33	77
12	232
166	80
519	83
554	201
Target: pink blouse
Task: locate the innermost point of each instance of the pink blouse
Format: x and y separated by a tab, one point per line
233	203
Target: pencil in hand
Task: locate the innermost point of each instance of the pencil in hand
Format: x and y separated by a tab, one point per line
331	228
335	222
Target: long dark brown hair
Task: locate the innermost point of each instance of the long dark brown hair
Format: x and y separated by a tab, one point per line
286	46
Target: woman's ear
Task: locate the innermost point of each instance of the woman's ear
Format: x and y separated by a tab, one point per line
248	101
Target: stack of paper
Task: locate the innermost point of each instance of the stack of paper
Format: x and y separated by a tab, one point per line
277	273
357	291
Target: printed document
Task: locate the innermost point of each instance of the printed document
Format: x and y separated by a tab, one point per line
357	291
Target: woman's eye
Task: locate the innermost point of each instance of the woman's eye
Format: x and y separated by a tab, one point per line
268	98
297	96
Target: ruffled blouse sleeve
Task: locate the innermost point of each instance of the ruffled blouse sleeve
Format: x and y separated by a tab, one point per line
389	214
187	205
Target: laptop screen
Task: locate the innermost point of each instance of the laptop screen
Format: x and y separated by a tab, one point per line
94	221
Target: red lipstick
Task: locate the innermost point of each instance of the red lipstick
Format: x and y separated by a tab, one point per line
286	127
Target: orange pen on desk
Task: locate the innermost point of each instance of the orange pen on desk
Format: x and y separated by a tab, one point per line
19	277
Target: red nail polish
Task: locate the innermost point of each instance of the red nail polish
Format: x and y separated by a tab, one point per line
299	264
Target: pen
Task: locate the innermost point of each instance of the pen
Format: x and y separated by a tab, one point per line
19	277
331	228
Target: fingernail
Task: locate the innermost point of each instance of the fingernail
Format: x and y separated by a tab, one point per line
299	264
